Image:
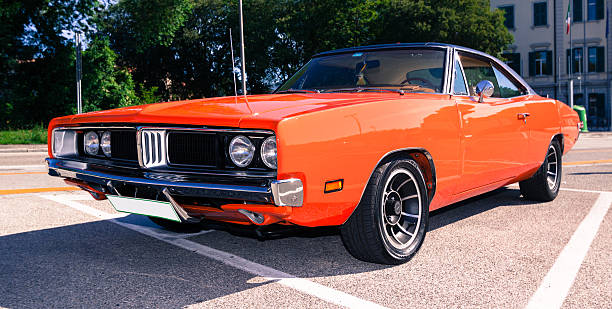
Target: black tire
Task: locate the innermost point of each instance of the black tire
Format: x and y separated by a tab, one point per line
367	233
178	227
544	184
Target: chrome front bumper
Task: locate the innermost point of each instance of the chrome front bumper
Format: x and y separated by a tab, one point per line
288	192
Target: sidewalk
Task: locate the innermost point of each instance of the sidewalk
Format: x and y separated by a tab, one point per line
23	148
596	134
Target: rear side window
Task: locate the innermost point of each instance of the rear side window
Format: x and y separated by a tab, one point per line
479	68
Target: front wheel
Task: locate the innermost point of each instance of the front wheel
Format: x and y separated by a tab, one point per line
390	222
544	184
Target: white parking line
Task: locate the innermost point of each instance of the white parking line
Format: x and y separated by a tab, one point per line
299	284
560	278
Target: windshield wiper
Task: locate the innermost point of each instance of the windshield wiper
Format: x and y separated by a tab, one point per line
363	89
299	91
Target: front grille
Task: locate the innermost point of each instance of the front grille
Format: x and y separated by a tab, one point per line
123	145
192	148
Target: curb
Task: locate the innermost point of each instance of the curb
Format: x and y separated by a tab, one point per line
23	148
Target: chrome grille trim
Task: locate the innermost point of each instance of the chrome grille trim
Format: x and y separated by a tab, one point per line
152	148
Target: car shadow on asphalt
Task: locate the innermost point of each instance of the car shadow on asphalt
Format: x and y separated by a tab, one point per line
100	264
505	197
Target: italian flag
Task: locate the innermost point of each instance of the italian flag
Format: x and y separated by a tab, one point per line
568	19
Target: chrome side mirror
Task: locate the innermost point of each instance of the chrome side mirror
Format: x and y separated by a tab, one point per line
484	89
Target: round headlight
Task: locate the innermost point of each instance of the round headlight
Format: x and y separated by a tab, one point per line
105	143
268	152
91	143
241	151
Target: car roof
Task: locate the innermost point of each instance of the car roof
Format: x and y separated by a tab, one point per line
397	46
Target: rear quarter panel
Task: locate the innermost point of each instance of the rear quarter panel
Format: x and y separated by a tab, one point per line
569	125
348	142
544	124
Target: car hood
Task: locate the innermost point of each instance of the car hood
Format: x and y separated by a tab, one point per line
225	111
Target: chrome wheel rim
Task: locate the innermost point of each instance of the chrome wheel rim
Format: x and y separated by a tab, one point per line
552	168
401	209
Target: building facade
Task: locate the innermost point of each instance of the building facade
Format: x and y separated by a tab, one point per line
564	66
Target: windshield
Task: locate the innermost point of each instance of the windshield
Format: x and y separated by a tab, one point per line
413	70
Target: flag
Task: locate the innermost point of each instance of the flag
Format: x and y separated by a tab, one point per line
568	19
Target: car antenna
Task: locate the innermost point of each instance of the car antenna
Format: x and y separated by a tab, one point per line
244	88
233	64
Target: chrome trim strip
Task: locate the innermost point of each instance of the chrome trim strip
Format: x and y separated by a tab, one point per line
245	131
136	127
73	172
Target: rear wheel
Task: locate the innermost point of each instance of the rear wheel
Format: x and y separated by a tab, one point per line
544	184
390	222
176	226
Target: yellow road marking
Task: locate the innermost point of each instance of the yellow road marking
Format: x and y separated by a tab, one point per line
25	173
592	150
37	190
587	162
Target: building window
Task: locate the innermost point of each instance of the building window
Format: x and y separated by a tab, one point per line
595	9
596	59
575	60
577	8
513	60
540	17
508	15
540	63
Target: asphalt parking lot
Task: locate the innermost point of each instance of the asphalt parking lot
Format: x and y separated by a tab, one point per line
60	248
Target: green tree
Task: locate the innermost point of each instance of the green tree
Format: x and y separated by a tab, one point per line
189	57
36	59
105	85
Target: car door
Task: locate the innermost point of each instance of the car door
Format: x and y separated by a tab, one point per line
494	137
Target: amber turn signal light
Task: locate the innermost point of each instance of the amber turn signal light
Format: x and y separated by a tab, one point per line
334	185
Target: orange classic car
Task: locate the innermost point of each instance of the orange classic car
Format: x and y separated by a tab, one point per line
370	139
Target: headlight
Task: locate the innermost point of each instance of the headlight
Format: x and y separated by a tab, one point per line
105	143
91	143
241	151
268	152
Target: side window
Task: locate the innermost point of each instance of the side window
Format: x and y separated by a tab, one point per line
507	88
459	84
476	69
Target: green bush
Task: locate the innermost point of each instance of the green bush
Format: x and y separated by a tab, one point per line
36	135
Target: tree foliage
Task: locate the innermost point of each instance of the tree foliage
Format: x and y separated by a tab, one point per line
180	49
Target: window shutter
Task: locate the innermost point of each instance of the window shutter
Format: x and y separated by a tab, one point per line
549	63
599	8
600	59
577	7
532	63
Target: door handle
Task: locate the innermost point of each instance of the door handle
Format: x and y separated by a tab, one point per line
523	116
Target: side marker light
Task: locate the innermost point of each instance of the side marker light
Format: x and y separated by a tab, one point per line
334	185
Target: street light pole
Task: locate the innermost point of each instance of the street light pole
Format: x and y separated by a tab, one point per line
244	87
79	74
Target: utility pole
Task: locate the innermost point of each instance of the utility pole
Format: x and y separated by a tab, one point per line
244	87
79	71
